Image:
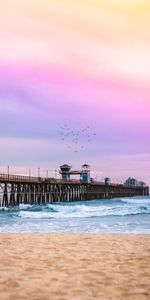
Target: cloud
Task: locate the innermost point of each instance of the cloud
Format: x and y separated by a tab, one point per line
100	38
24	154
76	62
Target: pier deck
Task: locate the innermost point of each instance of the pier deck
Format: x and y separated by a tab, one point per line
15	190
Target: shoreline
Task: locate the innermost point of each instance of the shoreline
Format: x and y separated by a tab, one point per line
83	266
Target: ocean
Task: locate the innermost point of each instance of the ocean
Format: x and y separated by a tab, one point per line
118	215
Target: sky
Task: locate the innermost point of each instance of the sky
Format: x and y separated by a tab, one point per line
76	63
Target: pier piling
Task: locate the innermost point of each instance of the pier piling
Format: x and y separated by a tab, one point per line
15	190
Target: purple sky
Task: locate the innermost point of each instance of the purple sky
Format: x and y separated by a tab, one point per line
80	64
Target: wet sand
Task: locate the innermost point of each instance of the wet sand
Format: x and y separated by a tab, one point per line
74	266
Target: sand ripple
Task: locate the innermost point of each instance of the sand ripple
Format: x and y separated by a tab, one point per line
74	266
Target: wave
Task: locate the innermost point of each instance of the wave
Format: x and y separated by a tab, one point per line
34	215
35	207
130	215
2	208
87	210
83	209
135	200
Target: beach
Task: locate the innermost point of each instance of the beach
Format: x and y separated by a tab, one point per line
74	266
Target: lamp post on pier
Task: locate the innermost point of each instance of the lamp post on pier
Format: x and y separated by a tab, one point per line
51	170
8	171
55	173
38	172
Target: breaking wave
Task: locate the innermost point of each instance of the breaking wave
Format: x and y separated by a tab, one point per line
87	216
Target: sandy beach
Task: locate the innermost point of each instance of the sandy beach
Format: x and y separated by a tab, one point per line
74	266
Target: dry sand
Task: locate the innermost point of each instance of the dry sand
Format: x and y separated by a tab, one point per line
74	266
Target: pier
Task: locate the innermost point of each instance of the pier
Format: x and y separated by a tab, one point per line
15	190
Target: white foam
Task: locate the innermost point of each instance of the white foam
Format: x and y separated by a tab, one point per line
34	215
24	206
87	211
4	208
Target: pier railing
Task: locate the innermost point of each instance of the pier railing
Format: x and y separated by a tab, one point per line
9	178
32	179
18	178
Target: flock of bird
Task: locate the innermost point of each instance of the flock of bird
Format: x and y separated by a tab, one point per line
77	140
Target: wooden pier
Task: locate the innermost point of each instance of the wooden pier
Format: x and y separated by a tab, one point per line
15	190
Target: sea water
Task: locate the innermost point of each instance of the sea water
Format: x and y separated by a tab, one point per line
118	215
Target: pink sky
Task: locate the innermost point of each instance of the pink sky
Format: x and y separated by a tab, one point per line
80	63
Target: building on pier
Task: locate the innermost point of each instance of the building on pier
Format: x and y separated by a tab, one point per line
65	172
84	173
134	182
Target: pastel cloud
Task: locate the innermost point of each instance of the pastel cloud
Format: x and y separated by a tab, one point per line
96	37
81	62
15	152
